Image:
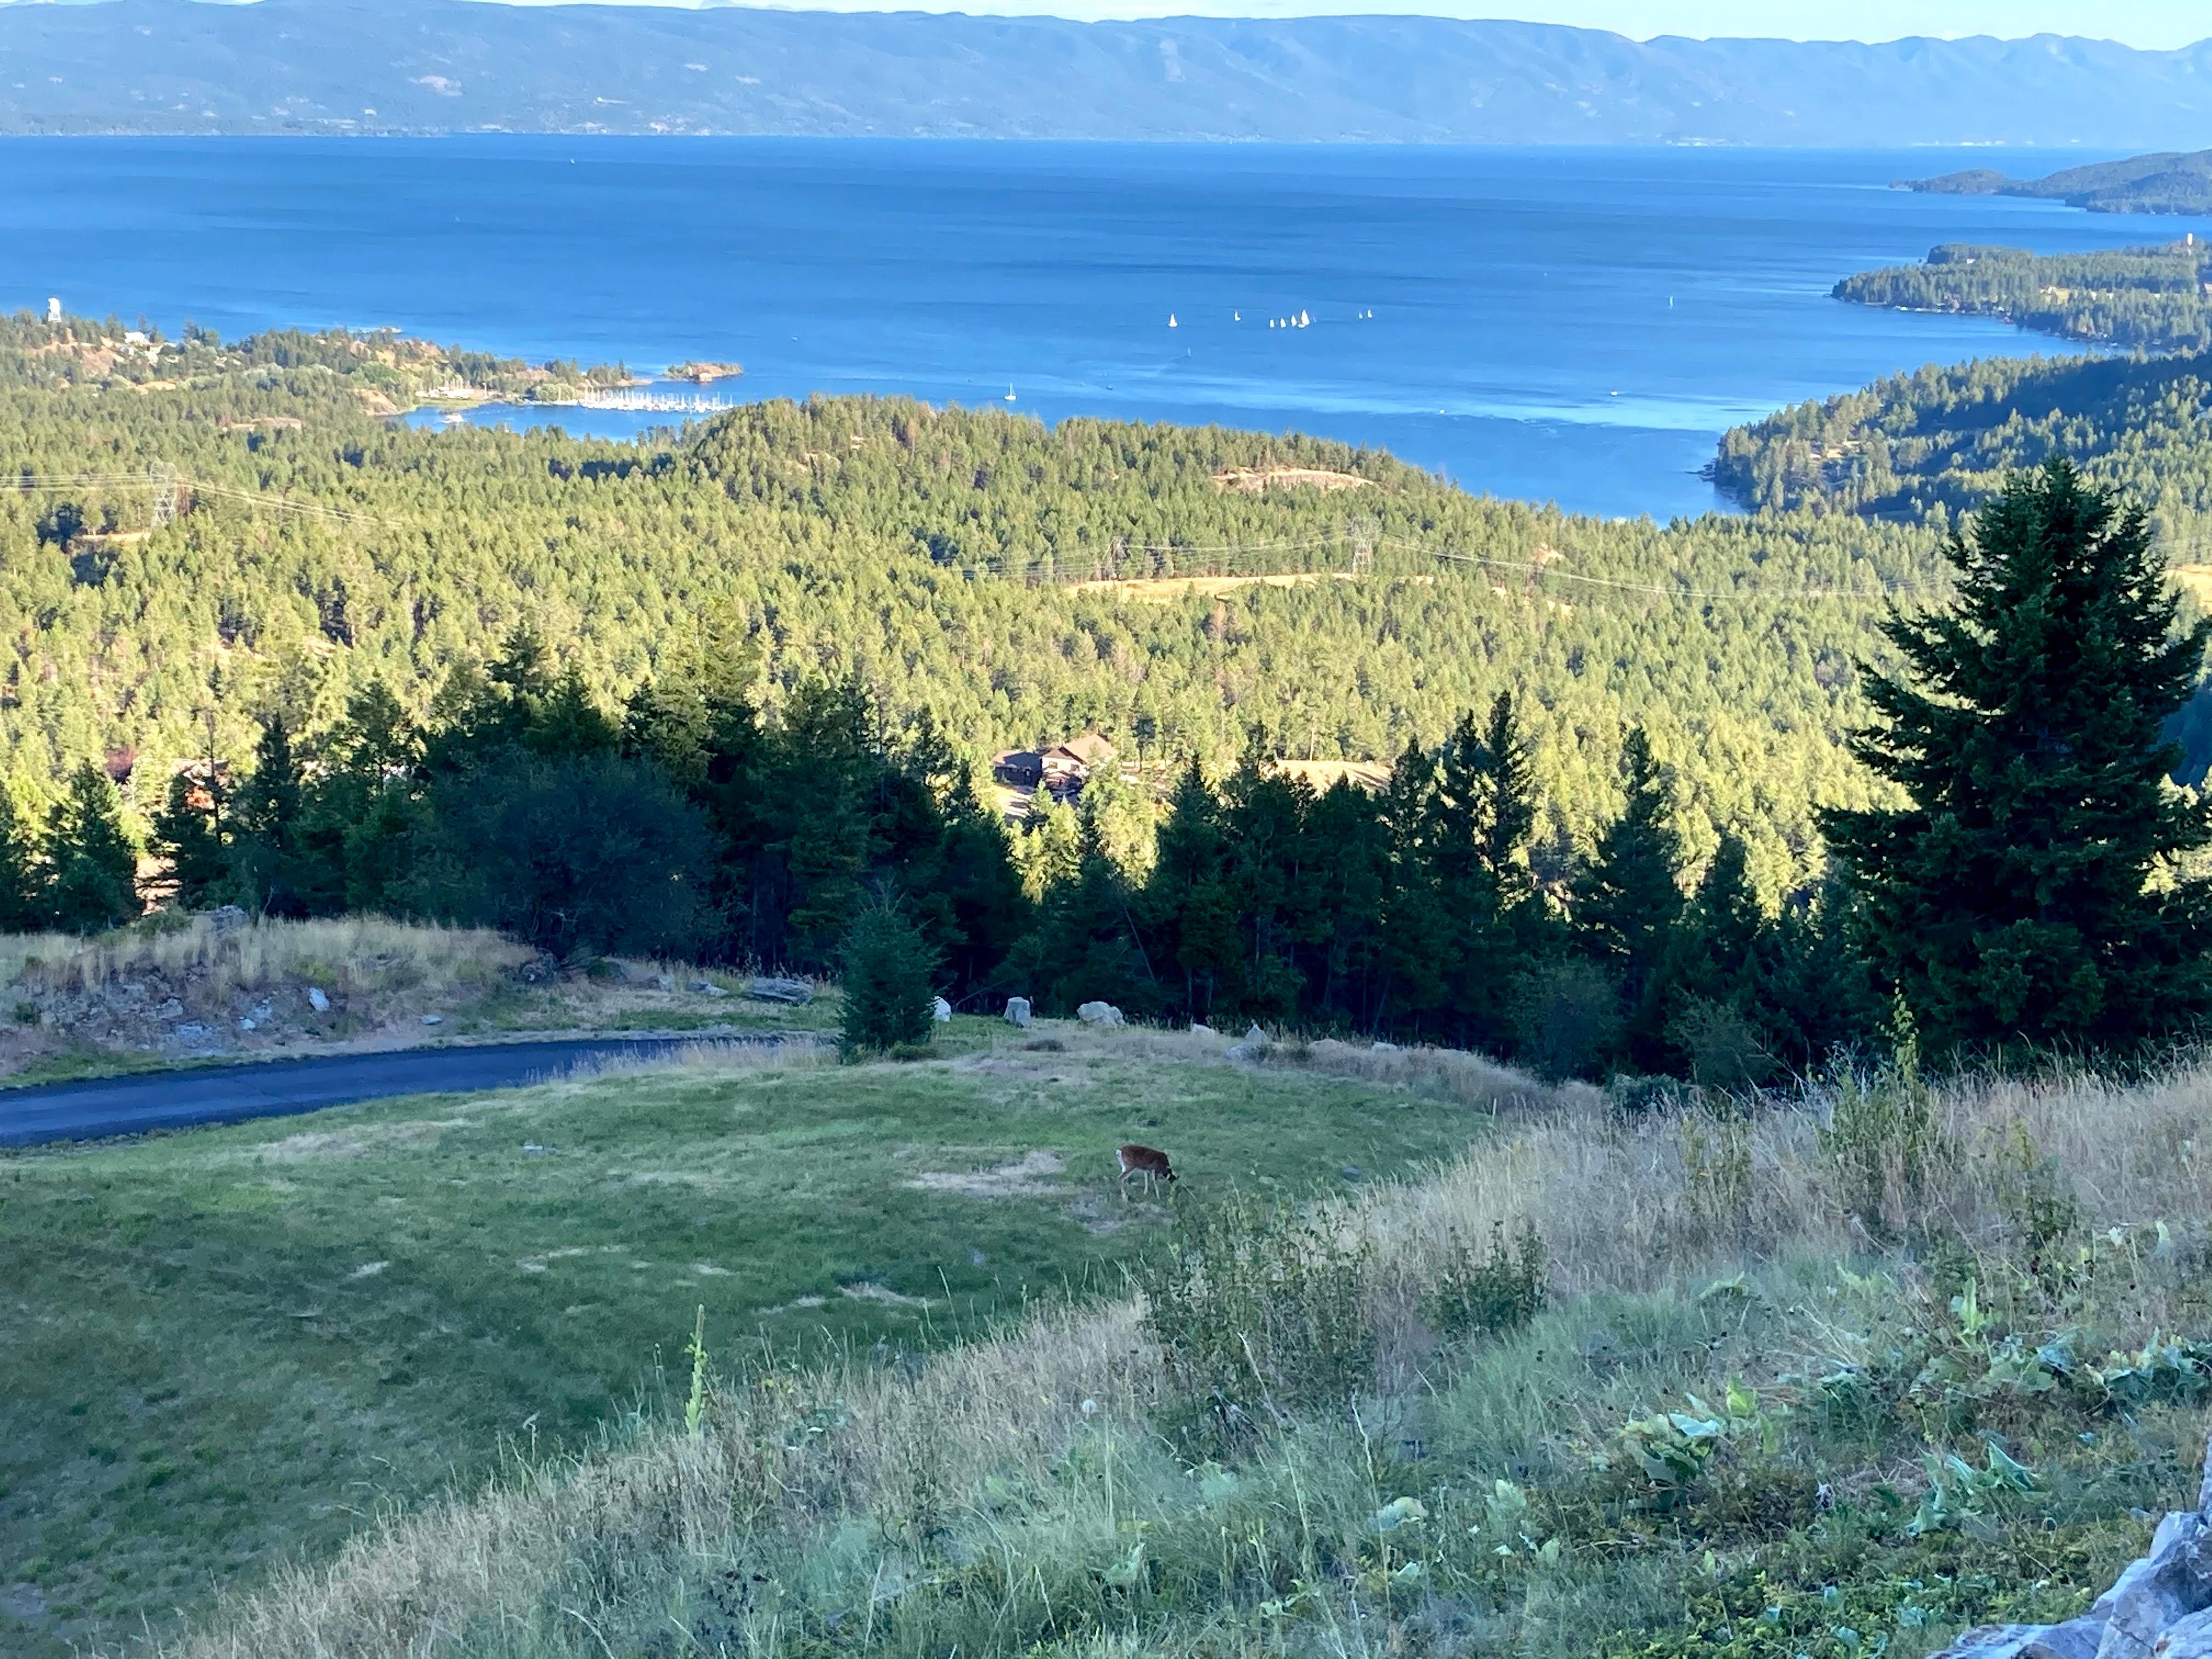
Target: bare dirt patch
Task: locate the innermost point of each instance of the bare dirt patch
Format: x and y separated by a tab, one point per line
1025	1177
868	1291
361	1140
1159	590
1252	480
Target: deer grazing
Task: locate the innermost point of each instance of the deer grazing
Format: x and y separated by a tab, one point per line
1148	1162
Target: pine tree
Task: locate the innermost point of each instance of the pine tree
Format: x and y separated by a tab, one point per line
265	814
1417	945
92	880
188	833
1050	854
1715	975
1722	928
1189	917
1629	900
2018	898
24	903
1510	818
887	989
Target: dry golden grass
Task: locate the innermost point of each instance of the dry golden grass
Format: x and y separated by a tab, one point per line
1625	1205
2197	579
1633	1205
714	1059
422	1584
350	953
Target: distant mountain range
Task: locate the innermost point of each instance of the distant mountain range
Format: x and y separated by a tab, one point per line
2165	183
400	66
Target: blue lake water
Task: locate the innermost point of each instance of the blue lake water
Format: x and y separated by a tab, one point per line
1572	325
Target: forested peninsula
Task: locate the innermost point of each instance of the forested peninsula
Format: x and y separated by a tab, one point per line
2144	299
2168	182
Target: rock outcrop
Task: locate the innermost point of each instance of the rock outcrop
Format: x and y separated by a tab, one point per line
2159	1608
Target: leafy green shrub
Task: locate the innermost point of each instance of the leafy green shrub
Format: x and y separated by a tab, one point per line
887	991
1260	1309
1566	1019
1674	1449
1960	1495
1725	1049
1481	1292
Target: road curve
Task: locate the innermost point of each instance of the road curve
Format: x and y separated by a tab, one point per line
134	1103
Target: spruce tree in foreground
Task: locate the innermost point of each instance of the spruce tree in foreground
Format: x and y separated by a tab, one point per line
888	990
92	868
2019	897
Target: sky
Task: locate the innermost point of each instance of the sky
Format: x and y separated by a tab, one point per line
2157	24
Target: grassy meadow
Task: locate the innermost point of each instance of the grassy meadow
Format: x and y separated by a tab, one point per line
1834	1376
226	1349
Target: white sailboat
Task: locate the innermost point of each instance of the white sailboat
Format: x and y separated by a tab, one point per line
1171	321
1010	392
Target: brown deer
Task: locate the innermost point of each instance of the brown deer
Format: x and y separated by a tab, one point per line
1149	1162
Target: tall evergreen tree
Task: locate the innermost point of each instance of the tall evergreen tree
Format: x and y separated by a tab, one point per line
1630	898
92	868
1721	929
1510	819
1416	937
24	902
2018	896
188	831
265	817
1186	908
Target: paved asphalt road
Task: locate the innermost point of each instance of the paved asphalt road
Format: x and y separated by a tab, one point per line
225	1094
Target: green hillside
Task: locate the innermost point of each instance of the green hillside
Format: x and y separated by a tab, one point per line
1938	440
308	547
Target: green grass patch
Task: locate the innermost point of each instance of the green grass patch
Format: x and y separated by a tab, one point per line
225	1347
74	1064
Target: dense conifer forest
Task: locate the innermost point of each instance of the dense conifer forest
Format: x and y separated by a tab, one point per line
2146	299
730	692
1935	443
310	550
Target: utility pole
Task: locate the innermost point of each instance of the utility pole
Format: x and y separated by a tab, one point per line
1363	530
162	478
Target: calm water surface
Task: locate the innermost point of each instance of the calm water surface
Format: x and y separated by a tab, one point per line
1577	325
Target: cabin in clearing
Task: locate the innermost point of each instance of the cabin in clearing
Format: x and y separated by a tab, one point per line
1060	770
